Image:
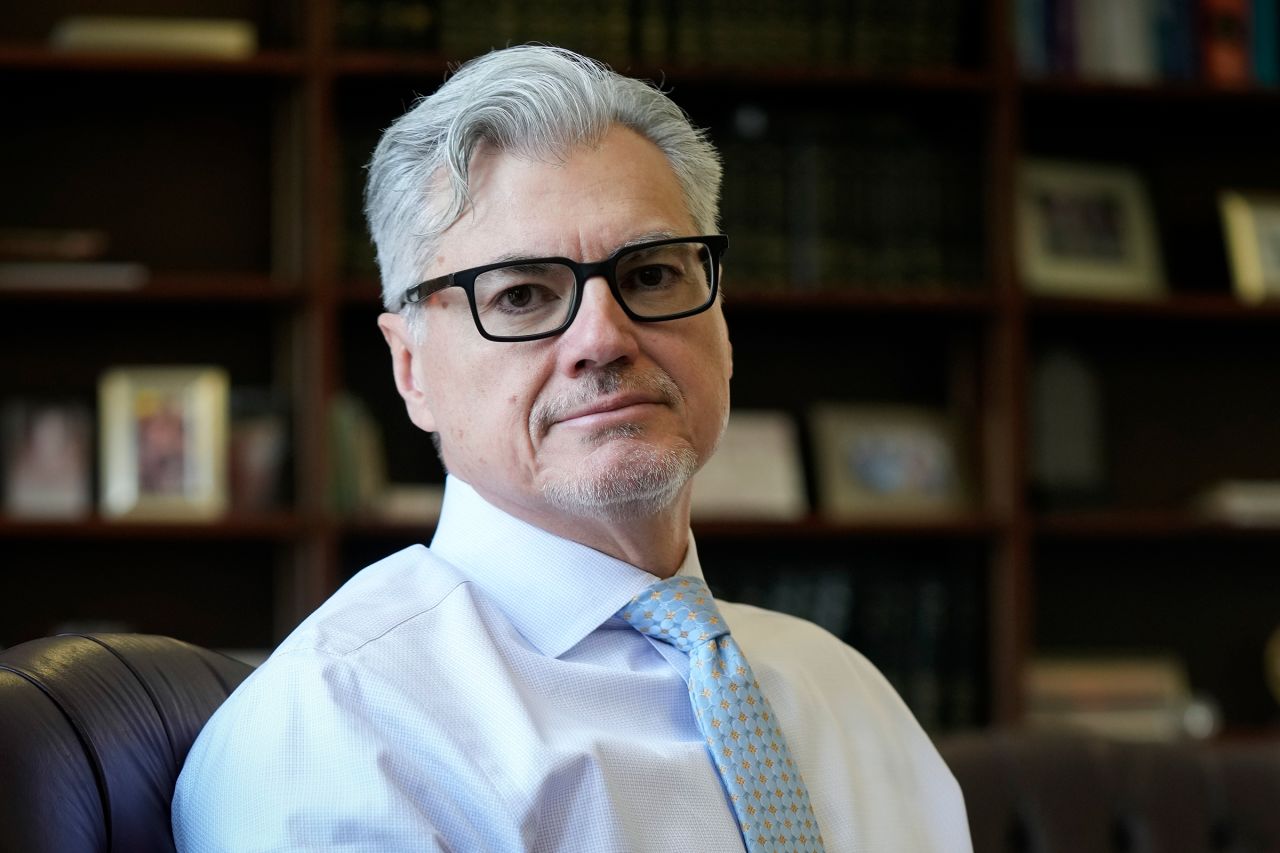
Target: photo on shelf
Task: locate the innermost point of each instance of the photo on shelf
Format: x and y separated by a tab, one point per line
756	472
1251	223
1086	230
163	435
885	460
47	459
258	449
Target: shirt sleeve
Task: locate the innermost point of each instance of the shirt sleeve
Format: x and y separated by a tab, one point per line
256	780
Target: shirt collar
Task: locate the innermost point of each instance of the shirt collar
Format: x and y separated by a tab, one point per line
530	574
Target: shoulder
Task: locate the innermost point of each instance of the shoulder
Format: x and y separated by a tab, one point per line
812	666
388	595
349	679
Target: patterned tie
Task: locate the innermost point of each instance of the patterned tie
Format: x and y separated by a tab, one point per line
741	729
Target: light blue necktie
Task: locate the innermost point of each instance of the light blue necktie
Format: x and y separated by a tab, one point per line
741	729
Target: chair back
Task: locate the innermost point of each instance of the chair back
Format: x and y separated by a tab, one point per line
94	730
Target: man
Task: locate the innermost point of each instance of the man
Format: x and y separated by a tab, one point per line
551	674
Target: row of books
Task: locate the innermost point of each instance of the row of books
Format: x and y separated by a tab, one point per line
867	33
833	203
922	628
1226	42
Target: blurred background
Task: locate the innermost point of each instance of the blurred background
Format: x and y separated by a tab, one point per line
1000	286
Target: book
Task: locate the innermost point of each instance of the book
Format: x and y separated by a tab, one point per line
1224	42
1127	697
222	38
1175	22
1242	502
1031	33
1117	41
72	275
1264	31
52	244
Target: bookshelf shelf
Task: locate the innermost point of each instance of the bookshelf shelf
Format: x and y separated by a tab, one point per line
1146	524
1094	90
268	63
165	287
1180	307
975	526
283	527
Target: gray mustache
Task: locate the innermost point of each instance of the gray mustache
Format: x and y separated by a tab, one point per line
600	383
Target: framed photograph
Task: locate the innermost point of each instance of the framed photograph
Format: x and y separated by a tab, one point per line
899	461
1251	222
756	473
47	459
163	442
1086	230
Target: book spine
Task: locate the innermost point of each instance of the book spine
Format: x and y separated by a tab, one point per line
1175	38
1224	42
1265	39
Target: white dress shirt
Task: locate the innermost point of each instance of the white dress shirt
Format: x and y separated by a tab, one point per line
482	695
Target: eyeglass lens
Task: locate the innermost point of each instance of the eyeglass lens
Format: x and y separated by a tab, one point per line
654	282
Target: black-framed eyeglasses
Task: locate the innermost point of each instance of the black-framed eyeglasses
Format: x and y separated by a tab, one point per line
531	298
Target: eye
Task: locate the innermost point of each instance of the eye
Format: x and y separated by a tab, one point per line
650	276
517	297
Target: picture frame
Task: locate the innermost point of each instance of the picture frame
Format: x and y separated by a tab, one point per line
1086	230
756	473
1251	227
163	438
47	459
897	461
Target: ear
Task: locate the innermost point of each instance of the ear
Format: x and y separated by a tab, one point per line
406	368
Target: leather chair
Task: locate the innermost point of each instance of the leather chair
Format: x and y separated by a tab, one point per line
94	730
1041	792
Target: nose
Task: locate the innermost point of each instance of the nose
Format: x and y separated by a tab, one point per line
600	334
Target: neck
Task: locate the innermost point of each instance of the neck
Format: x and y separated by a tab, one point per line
655	542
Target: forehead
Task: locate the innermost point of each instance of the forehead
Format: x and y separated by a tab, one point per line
582	205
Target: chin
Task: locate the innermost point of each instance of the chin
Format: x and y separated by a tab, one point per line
628	480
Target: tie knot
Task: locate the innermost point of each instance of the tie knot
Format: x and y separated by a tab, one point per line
679	611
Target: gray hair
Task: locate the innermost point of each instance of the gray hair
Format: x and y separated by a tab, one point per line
534	101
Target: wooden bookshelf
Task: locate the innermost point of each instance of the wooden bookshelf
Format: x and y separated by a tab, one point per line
259	163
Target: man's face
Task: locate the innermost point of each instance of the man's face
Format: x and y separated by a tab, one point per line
609	418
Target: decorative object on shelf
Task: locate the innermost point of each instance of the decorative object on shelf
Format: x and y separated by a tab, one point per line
258	449
220	38
902	461
358	455
756	472
1248	503
1086	230
1131	697
46	457
163	442
1068	459
1251	223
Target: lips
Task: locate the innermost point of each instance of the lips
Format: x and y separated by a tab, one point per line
610	404
611	389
